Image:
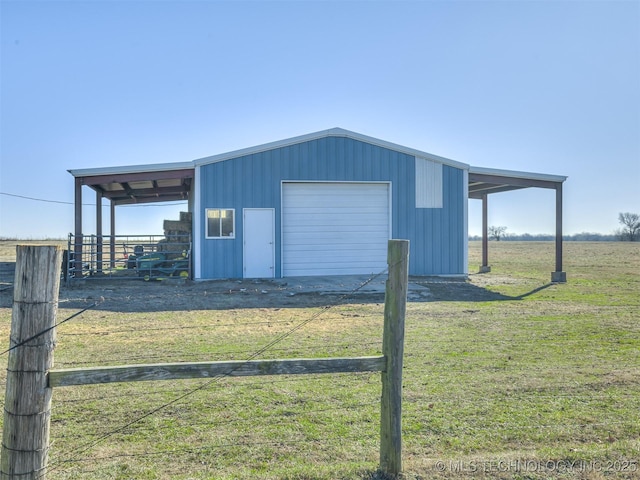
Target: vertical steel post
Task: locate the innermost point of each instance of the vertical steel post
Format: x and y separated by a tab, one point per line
485	268
559	276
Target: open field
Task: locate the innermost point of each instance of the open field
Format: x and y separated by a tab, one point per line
506	376
8	247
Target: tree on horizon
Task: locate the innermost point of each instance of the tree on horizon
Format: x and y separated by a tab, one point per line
630	226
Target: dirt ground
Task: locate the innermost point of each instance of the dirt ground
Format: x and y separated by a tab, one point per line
136	295
133	294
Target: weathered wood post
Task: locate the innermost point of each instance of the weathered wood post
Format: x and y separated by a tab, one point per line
395	305
27	410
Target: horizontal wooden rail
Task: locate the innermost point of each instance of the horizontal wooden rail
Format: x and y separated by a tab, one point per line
172	371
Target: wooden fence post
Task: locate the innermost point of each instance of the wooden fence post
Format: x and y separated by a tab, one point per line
393	349
27	409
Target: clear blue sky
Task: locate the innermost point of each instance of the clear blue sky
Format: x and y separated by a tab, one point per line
541	86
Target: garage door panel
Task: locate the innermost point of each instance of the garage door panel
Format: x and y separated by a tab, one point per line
343	259
334	198
323	215
340	225
340	228
367	221
331	199
329	209
321	221
306	262
340	269
324	249
334	228
335	238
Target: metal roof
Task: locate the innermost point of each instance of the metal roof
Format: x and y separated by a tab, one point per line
484	181
173	181
139	183
332	132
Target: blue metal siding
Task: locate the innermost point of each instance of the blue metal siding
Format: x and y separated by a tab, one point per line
254	181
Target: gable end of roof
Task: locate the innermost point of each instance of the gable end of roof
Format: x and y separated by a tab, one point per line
332	132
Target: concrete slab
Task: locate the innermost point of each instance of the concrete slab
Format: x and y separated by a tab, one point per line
346	285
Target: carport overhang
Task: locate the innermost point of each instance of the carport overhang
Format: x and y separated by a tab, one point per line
174	181
126	186
486	181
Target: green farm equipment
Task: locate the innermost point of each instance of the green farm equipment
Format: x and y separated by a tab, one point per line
159	265
132	260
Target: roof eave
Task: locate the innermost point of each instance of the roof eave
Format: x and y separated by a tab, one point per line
127	169
517	174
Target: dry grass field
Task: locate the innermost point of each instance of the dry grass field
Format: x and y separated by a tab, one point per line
8	247
506	376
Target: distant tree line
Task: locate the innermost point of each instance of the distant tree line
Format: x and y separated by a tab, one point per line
548	237
630	232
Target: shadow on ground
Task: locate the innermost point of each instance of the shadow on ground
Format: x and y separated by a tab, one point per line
136	295
466	291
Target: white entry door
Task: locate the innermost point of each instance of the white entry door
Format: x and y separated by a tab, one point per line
259	242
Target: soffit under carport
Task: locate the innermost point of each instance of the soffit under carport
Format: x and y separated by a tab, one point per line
485	181
142	184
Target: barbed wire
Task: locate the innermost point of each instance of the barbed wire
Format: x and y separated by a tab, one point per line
206	448
500	361
174	327
425	343
466	426
211	356
558	390
231	421
537	339
279	338
306	412
172	388
39	334
209	326
422	433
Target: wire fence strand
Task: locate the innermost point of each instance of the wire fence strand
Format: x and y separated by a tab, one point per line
554	383
203	385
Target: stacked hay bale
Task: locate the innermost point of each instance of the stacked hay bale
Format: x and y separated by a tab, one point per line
177	241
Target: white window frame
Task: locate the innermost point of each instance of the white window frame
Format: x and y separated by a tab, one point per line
219	237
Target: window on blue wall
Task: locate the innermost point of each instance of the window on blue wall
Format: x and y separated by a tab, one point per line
220	223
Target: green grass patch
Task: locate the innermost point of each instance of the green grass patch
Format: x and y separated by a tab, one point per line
544	376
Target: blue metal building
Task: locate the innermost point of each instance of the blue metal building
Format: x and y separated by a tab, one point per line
318	204
326	204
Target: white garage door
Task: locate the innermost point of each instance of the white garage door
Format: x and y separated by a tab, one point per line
334	228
